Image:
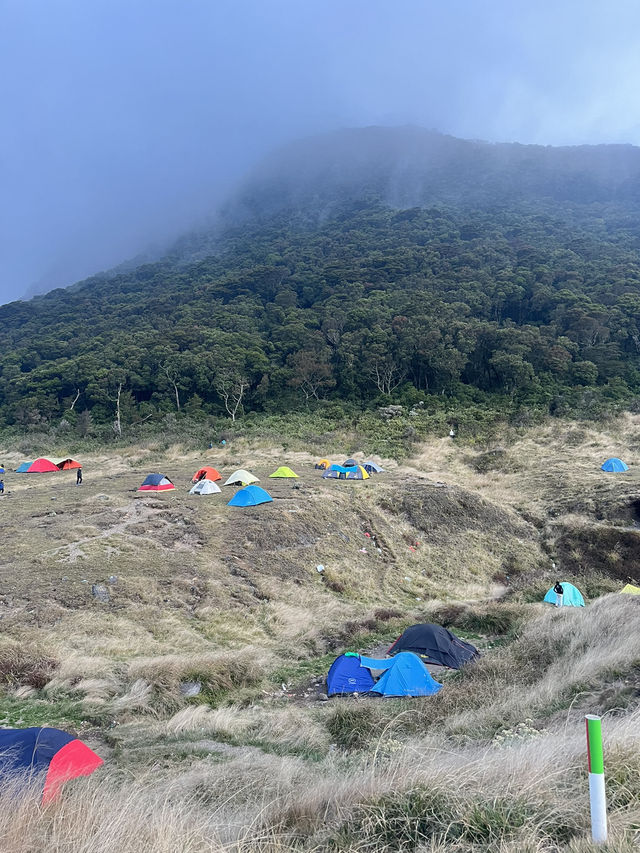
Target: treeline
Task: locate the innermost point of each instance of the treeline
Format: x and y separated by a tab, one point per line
373	305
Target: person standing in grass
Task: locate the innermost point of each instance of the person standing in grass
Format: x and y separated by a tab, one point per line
1	486
559	591
79	477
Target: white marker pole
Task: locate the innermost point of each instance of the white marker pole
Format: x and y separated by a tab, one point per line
597	796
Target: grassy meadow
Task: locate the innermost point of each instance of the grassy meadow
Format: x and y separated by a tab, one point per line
114	604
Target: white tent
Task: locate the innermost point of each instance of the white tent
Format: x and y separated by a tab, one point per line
241	478
204	487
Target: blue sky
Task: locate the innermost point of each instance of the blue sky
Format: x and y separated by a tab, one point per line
124	123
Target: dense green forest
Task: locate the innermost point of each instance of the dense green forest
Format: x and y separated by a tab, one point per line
511	292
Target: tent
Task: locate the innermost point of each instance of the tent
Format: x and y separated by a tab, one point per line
283	472
250	496
241	478
51	755
64	463
347	676
435	644
372	468
40	466
338	472
349	463
404	675
323	464
156	483
572	596
23	467
630	589
204	487
614	465
206	473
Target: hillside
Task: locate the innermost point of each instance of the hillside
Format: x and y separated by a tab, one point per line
360	268
117	602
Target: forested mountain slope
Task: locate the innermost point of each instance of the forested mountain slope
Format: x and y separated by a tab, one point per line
364	265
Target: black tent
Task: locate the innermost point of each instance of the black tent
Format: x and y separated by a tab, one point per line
435	644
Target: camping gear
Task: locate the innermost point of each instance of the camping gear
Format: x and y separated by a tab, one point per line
241	478
250	496
206	473
64	463
205	487
372	468
435	644
630	589
39	466
404	675
323	464
23	467
156	483
51	754
283	472
339	472
571	596
347	676
349	463
614	465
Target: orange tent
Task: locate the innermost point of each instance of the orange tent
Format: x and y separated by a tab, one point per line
206	474
68	463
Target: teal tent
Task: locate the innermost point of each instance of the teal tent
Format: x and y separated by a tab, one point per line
404	675
23	467
250	496
572	596
614	465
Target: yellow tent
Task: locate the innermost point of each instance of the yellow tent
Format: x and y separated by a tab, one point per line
283	472
631	589
323	464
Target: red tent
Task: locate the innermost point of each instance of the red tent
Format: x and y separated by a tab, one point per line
42	465
66	464
206	474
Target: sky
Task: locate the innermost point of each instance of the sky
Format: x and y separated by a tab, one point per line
124	123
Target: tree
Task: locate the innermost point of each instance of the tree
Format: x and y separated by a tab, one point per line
312	373
231	387
84	424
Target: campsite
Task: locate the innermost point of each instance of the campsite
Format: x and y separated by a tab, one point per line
185	640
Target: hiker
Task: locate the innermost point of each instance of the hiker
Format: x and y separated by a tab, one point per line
559	591
79	477
452	433
1	486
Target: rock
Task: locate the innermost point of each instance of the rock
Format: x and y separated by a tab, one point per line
322	697
190	688
113	578
100	592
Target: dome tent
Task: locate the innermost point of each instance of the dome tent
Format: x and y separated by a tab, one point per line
572	596
241	478
23	467
322	464
283	471
250	496
51	755
205	487
338	472
614	465
372	468
347	676
349	463
630	589
40	466
156	483
206	473
435	644
404	675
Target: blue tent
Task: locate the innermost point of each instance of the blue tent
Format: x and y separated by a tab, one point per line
572	596
615	465
349	463
372	468
347	676
250	496
404	675
23	468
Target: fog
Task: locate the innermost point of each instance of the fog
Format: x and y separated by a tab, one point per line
125	123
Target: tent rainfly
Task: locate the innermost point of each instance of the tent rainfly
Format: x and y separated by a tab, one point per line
205	487
156	483
250	496
404	675
283	471
65	463
49	755
347	676
435	644
241	478
630	589
614	465
206	473
41	466
323	464
572	597
372	468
